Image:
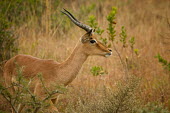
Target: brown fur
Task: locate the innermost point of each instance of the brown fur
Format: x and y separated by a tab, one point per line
53	72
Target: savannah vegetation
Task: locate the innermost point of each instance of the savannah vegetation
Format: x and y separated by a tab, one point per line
135	79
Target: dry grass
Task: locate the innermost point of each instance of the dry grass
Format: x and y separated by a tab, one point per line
146	20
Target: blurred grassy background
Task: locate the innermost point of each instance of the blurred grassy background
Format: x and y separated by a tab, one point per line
42	31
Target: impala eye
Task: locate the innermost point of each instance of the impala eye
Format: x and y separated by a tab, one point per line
92	41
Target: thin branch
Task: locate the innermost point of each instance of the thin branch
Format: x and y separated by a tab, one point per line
121	60
9	101
51	94
168	20
40	77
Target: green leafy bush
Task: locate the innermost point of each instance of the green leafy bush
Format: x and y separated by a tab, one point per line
111	26
94	24
164	62
123	36
152	108
97	70
8	45
121	100
23	95
19	11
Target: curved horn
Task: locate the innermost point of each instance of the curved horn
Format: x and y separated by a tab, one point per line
75	21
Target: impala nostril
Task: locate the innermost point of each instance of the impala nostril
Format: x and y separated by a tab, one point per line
110	50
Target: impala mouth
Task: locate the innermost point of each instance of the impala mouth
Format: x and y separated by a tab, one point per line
108	54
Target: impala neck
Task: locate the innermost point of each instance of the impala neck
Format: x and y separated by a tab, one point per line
73	64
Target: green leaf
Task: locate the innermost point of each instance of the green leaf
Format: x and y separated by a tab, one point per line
97	70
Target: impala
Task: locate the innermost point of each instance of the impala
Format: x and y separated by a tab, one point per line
52	71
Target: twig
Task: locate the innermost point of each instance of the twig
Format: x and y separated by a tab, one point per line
121	60
40	77
9	101
168	20
50	95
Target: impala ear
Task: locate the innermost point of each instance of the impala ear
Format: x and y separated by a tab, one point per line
86	37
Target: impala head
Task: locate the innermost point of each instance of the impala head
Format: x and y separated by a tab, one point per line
91	46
